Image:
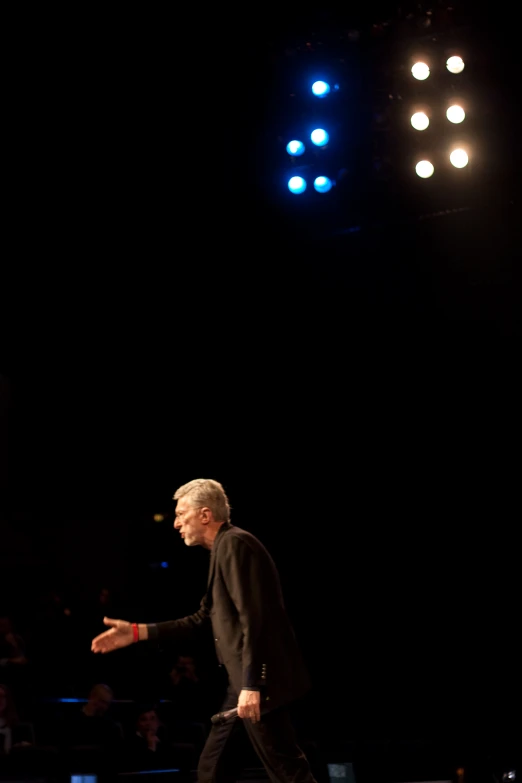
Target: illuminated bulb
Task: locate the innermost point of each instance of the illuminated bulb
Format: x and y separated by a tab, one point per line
322	184
455	114
455	64
319	137
459	158
296	185
424	169
420	121
420	71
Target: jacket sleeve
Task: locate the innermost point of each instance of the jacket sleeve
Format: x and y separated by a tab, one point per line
183	629
245	574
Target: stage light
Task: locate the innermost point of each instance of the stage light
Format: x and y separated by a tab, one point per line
320	89
424	169
295	147
455	64
319	137
459	158
322	184
420	121
296	185
455	114
420	71
159	517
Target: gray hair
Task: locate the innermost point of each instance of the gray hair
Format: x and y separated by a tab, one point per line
206	492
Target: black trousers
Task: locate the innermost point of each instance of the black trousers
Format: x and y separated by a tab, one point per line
273	739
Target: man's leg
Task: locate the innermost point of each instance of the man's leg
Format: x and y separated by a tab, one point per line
219	762
275	743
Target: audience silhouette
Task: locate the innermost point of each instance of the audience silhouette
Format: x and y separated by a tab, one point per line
159	723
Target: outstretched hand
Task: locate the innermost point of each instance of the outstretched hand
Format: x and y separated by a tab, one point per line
119	635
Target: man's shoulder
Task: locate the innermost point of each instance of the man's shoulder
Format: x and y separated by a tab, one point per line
238	534
234	530
236	538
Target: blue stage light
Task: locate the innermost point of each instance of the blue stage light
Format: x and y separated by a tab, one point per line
296	185
320	89
319	137
322	184
295	147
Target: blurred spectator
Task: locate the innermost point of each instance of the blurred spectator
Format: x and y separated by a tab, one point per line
92	608
95	608
54	621
14	664
13	733
12	646
54	608
188	703
186	669
20	757
147	745
190	697
92	726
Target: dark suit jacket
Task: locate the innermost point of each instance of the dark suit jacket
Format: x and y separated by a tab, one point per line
244	607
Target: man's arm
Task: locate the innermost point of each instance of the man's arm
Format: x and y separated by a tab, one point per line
122	633
179	630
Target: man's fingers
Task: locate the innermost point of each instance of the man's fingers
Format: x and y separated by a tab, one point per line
102	643
248	714
108	621
97	640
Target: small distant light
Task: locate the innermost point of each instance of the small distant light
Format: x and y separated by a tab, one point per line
296	185
455	64
459	158
424	169
420	71
322	184
159	517
295	147
319	137
164	564
455	114
420	121
320	89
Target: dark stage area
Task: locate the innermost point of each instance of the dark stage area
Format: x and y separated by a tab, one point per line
347	367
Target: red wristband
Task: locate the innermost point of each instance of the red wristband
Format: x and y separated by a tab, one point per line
135	632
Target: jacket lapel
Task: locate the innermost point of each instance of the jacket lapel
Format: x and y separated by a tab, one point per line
212	566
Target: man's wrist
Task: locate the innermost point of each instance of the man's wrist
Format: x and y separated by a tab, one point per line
143	632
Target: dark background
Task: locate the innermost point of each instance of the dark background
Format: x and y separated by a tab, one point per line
356	395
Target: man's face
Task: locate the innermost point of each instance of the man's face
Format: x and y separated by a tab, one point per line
187	665
148	721
188	520
101	701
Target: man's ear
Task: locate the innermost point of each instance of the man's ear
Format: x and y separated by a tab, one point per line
206	515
